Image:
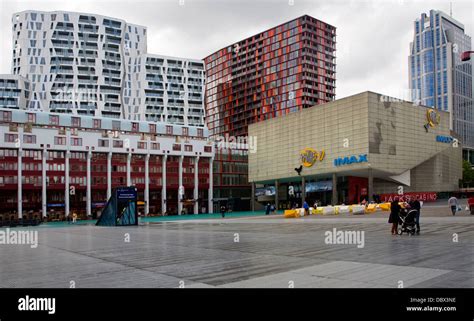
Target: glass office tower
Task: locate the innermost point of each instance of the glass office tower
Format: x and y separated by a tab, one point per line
437	76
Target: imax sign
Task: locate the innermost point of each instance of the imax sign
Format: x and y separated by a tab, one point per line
444	139
350	160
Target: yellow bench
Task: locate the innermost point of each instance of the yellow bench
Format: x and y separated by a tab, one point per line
385	206
371	208
291	214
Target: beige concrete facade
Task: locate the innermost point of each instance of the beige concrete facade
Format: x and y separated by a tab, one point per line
390	132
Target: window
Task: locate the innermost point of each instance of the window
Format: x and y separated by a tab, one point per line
155	146
76	141
116	125
59	140
141	145
169	130
7	116
188	148
29	139
134	127
75	122
185	131
54	120
118	144
11	138
103	143
97	123
200	132
176	147
152	128
31	118
208	149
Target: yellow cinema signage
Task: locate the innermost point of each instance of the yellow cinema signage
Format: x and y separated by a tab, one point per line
309	156
433	118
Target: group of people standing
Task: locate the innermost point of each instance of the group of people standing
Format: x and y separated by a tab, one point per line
269	208
395	210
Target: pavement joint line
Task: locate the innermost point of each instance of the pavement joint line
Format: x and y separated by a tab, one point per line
127	267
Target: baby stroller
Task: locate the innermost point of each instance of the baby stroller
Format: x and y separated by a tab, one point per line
407	221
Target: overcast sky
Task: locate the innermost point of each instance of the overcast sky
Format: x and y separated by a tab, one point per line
372	36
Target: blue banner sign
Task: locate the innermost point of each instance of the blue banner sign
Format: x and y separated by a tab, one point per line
265	191
320	186
350	160
127	193
444	139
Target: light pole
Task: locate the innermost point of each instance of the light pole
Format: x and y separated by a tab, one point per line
466	55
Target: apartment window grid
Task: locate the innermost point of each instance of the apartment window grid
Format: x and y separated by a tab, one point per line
280	87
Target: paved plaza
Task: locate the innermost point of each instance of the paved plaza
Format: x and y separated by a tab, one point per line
252	251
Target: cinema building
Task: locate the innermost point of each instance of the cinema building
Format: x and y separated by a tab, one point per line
71	163
354	148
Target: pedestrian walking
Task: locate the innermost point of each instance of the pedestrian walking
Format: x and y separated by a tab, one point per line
223	210
74	218
394	215
306	208
416	205
267	209
453	203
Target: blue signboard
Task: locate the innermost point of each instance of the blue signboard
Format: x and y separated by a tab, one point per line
444	139
320	186
126	193
265	191
55	205
350	160
121	208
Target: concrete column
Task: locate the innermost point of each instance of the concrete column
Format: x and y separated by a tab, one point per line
88	185
303	190
252	198
334	189
147	185
196	185
44	199
370	189
276	193
163	184
20	180
66	184
109	175
210	205
180	183
129	178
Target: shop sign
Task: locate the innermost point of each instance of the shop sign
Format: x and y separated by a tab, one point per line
407	197
444	139
309	156
350	160
433	118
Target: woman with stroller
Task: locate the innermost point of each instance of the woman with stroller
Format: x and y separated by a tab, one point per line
394	215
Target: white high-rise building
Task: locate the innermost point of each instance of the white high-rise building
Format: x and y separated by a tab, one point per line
168	89
14	92
75	62
87	64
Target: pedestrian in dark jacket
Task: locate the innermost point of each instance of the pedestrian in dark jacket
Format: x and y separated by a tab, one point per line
394	215
415	204
267	209
223	210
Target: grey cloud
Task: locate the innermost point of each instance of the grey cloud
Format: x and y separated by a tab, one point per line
372	42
